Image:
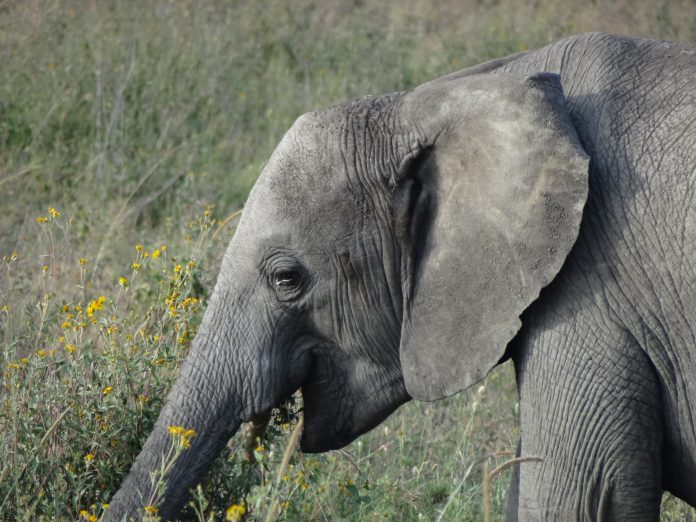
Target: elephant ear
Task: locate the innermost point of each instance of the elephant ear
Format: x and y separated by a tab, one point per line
488	203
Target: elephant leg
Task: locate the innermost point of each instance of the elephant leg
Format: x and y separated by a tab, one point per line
590	409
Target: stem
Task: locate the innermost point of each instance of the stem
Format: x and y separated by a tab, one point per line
292	444
486	493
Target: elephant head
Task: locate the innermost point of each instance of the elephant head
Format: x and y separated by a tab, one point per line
385	253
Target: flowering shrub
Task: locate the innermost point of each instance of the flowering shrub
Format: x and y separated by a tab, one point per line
84	374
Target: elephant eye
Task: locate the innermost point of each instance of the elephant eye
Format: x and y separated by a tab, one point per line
286	279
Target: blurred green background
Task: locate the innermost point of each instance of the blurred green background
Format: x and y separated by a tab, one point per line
132	118
128	113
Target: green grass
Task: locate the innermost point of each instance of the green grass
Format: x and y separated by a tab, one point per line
147	123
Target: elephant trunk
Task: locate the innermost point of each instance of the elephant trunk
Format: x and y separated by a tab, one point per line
210	398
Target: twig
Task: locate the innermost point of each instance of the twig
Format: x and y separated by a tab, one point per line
292	444
513	462
226	220
487	477
486	493
252	430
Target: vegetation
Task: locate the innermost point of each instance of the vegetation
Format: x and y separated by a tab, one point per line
130	134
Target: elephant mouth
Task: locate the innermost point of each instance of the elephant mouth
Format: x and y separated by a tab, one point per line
343	397
321	434
340	403
326	398
329	430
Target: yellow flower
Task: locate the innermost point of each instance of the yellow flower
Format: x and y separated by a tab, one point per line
70	348
234	513
107	390
183	435
123	281
82	261
177	269
44	268
175	430
95	305
105	506
135	266
5	308
87	515
156	254
184	337
41	220
24	360
187	302
53	212
163	248
89	457
151	510
41	353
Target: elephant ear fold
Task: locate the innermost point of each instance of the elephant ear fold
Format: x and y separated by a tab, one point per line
488	203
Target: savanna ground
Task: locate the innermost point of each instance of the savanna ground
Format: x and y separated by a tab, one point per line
130	134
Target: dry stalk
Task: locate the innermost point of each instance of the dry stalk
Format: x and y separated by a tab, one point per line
292	444
487	477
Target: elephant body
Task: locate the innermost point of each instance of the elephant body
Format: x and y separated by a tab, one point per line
607	379
401	246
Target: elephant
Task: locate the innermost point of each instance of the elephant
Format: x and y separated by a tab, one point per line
536	208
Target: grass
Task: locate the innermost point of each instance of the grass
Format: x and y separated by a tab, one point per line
147	125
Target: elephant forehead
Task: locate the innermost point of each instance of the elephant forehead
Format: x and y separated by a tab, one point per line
319	210
303	191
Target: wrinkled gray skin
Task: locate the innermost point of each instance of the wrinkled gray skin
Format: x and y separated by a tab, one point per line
401	246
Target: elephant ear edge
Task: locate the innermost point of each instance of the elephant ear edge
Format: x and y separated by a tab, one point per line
504	178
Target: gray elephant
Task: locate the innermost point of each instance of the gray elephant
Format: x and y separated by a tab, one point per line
538	207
